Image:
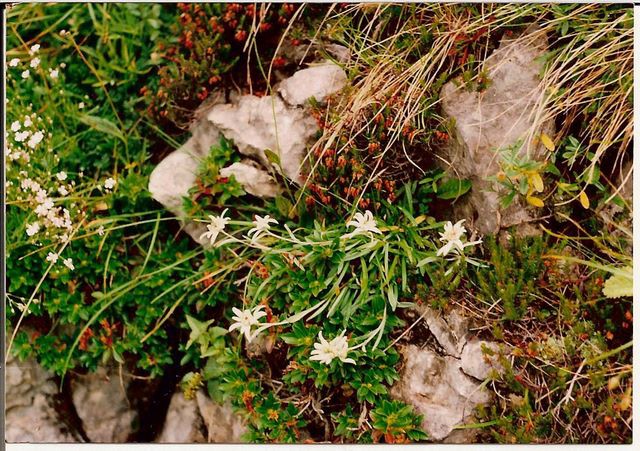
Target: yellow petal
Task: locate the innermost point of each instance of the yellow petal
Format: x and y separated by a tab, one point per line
547	142
584	200
535	201
537	182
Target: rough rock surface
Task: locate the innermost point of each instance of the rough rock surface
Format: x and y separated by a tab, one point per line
223	426
256	181
30	412
183	423
102	405
445	384
255	124
316	82
498	117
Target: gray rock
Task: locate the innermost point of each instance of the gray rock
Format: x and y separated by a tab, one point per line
256	124
447	336
30	415
507	112
223	426
255	181
444	385
438	389
183	423
476	363
102	404
171	180
318	82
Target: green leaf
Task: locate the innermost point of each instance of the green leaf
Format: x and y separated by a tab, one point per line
272	156
453	188
285	207
197	329
619	285
102	125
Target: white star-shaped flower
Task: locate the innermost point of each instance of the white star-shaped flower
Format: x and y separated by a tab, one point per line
261	225
217	225
246	319
325	351
364	224
452	237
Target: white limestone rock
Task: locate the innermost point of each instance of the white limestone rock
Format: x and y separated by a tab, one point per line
476	362
445	384
438	389
318	82
30	415
254	180
102	405
256	124
223	425
507	111
183	423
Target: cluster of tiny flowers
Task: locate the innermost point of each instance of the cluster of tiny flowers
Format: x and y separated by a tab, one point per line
24	137
32	64
27	137
49	215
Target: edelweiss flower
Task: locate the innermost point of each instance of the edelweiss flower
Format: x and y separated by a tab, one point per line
325	351
246	319
452	236
364	224
261	225
217	225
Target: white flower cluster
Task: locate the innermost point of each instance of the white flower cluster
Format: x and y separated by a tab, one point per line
452	238
52	221
325	351
245	320
363	224
27	136
49	215
33	63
